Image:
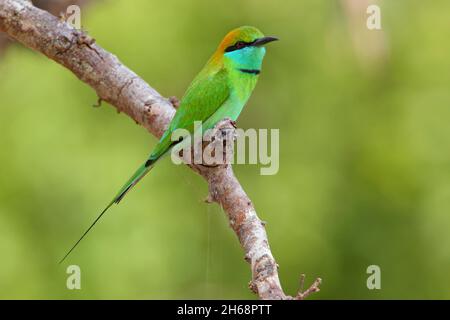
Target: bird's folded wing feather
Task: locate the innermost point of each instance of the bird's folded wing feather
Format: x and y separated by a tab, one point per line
207	93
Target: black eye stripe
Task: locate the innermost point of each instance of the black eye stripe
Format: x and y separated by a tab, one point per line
239	45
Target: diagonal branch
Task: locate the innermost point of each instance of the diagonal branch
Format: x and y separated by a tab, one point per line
122	88
55	7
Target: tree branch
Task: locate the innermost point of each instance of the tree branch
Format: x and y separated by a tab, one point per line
55	7
122	88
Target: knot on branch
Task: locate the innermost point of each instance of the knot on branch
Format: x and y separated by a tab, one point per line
175	102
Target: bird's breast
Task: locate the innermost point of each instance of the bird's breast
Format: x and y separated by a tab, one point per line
243	83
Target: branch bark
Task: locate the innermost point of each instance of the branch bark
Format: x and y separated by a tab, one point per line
55	7
122	88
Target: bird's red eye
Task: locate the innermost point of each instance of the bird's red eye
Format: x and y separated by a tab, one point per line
239	45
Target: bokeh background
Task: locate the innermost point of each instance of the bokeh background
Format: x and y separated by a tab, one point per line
364	157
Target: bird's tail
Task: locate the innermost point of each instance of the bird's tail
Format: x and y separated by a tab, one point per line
135	178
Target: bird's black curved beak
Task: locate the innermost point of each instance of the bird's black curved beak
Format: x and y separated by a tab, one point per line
262	41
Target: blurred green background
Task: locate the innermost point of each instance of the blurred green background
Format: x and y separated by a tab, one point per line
364	157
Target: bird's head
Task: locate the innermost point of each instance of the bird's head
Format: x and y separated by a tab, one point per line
243	48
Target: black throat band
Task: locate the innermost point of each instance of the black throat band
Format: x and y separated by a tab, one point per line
251	71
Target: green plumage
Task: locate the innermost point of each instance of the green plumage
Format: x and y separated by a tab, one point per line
219	91
207	93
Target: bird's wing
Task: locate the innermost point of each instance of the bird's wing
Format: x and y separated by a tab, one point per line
203	98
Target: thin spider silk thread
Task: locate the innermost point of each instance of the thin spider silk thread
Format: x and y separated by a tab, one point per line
208	253
209	212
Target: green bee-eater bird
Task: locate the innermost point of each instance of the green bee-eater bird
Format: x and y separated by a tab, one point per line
219	91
